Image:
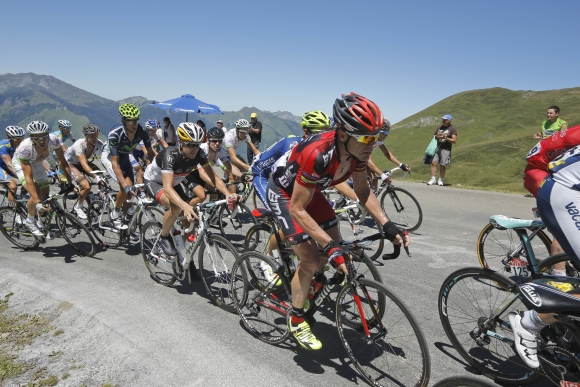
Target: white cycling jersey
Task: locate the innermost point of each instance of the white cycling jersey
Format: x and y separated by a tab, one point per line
565	169
231	140
80	148
27	152
220	157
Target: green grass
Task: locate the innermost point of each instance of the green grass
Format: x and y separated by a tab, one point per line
495	128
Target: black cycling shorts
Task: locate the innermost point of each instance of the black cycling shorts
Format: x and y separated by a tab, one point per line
156	190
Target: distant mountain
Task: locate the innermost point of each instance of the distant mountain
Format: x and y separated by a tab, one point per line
495	128
28	97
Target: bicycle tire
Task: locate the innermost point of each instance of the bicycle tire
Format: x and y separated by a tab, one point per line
76	234
495	245
149	214
370	226
105	235
263	303
466	301
257	238
15	230
215	270
464	381
69	200
572	270
235	228
395	347
160	268
402	208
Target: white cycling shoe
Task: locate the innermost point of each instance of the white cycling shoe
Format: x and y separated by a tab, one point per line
526	341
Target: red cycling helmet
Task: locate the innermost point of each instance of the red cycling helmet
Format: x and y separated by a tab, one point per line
357	114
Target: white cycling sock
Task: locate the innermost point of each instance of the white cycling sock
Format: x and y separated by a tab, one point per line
561	273
30	219
532	322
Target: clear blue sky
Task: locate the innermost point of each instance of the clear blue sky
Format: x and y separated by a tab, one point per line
294	55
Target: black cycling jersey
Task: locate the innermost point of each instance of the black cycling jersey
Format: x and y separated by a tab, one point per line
169	160
119	143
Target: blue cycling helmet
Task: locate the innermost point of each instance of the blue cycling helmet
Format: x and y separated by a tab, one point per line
151	124
64	124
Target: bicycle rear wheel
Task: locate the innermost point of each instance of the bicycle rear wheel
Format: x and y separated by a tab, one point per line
495	248
261	297
464	381
473	307
160	267
70	199
216	257
102	225
76	234
402	208
235	227
258	238
14	229
394	352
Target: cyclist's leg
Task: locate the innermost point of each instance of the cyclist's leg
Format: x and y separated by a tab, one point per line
84	185
129	176
12	186
260	184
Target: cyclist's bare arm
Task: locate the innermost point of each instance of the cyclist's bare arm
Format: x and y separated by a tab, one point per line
373	167
207	174
29	181
63	165
236	161
345	189
230	168
301	197
370	201
85	164
253	147
150	153
117	169
174	197
8	161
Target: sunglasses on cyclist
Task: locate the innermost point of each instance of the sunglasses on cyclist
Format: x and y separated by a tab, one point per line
385	132
363	139
132	122
39	139
191	145
216	141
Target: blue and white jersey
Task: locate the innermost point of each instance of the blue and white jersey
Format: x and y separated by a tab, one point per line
566	169
6	149
263	162
119	144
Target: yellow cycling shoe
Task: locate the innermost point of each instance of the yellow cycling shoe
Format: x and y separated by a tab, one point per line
304	335
563	286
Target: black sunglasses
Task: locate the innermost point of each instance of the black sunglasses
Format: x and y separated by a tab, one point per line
216	140
191	145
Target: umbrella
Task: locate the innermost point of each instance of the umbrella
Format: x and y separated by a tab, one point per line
187	103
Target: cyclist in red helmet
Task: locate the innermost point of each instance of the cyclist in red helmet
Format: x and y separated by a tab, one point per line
308	221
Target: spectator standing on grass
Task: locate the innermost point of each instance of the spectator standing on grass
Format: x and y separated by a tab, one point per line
552	125
446	136
168	131
255	135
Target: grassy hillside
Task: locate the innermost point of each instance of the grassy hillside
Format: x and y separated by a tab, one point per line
495	128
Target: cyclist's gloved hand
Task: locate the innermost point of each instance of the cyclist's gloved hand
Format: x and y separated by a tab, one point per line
232	200
384	176
248	178
391	231
99	179
334	253
128	189
404	167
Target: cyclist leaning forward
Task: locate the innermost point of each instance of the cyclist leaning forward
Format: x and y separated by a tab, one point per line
307	219
164	175
78	156
14	135
28	165
121	142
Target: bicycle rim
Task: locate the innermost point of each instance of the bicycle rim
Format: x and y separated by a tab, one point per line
216	257
102	226
235	226
394	352
495	248
350	231
14	229
402	208
258	238
261	297
76	234
468	300
159	266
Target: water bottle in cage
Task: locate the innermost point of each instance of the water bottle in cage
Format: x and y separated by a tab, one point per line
129	215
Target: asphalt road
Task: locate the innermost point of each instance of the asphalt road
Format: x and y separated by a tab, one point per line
127	330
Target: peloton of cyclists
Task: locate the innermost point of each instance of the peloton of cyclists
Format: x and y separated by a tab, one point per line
307	219
233	139
15	135
29	167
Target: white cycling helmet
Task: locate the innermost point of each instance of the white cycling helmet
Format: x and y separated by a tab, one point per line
190	132
90	129
37	127
64	124
242	124
15	131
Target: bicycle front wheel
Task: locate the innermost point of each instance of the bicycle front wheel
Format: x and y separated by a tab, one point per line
101	225
473	307
388	349
76	234
402	208
496	247
369	226
159	266
234	224
261	297
70	199
464	381
216	257
14	229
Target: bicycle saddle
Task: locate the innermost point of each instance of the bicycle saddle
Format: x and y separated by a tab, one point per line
544	298
261	212
505	222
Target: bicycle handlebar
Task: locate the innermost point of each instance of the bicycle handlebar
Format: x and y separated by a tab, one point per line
376	237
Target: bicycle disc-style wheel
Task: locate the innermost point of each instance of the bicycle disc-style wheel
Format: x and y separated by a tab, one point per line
234	227
402	208
387	350
14	229
464	381
495	247
160	267
101	225
350	232
261	297
76	234
469	308
216	257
